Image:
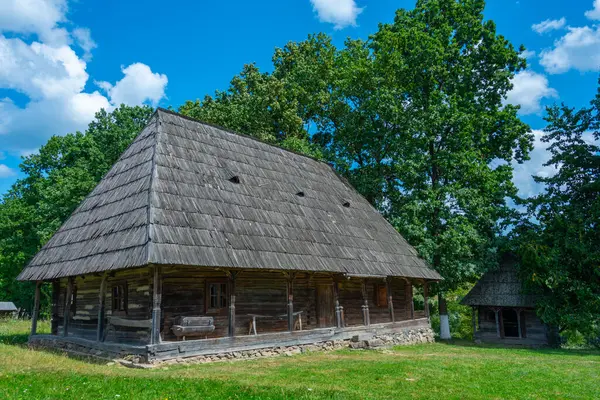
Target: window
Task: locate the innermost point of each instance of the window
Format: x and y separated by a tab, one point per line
216	296
381	296
119	298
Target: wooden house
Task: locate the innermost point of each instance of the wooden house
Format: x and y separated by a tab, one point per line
502	312
7	309
202	240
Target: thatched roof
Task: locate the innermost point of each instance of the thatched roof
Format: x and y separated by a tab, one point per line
500	288
7	306
188	193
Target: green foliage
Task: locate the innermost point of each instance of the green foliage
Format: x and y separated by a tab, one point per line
56	180
459	316
559	241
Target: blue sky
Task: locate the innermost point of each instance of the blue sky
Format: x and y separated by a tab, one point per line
60	60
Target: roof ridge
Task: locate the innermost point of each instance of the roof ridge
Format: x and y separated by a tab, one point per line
244	135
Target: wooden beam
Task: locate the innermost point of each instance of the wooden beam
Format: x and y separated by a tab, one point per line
518	311
67	310
54	319
101	309
338	308
388	288
474	321
426	298
156	305
408	293
232	276
290	304
365	306
36	308
496	312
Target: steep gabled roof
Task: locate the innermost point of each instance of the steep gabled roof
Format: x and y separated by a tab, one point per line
500	288
189	193
7	306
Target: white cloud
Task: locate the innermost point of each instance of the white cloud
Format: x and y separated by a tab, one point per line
594	13
36	62
527	54
549	25
139	85
529	88
578	49
6	172
341	13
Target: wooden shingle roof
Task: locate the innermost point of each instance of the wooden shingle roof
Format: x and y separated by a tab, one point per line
189	193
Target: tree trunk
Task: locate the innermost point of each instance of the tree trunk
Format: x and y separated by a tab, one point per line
444	323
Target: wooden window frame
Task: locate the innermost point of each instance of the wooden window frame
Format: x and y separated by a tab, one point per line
379	301
124	299
223	283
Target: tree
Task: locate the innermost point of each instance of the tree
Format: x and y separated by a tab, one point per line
414	117
56	180
559	239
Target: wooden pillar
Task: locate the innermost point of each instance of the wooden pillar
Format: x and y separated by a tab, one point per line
36	308
156	305
54	319
474	320
290	303
408	293
388	287
67	310
232	275
426	299
518	312
101	309
338	308
497	313
365	306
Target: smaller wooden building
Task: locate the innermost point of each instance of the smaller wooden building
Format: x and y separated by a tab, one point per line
502	312
7	309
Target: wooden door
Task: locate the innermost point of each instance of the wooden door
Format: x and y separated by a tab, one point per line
325	306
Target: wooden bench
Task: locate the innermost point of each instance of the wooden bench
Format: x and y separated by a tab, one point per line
193	326
252	325
113	322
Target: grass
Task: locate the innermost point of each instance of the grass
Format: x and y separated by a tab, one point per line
438	371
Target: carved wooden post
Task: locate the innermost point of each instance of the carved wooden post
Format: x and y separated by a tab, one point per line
388	287
54	316
426	299
67	310
290	304
232	275
518	311
365	306
474	321
101	308
408	294
36	308
156	306
496	312
338	308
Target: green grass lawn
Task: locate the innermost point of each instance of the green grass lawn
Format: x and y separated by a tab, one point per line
437	371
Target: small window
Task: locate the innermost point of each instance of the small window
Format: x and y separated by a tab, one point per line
119	298
381	296
216	297
234	179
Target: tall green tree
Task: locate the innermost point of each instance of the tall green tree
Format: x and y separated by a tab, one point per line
559	241
415	118
57	178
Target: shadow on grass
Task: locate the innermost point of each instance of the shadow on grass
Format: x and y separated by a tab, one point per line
538	350
14	339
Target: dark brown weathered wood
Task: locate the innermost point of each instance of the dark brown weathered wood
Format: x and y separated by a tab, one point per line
36	308
409	299
101	308
231	275
497	315
365	305
156	305
68	301
388	286
290	301
473	321
54	317
426	298
518	311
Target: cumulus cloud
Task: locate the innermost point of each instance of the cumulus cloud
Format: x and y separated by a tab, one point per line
594	14
6	172
529	88
578	49
549	25
139	85
37	62
341	13
527	54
